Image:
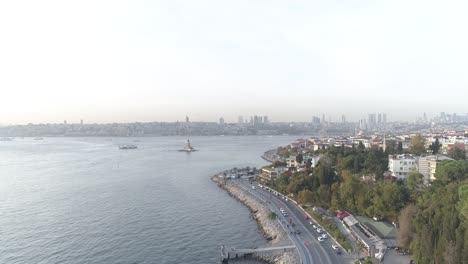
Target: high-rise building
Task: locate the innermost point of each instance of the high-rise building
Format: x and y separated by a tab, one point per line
371	122
240	120
265	120
221	121
64	122
362	124
343	119
323	118
379	118
384	118
257	120
316	120
81	122
442	116
187	120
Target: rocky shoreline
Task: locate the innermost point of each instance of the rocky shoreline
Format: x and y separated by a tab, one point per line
271	229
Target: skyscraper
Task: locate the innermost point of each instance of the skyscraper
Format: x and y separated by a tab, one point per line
187	120
240	120
221	121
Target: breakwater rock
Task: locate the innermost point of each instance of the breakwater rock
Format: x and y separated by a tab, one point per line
271	228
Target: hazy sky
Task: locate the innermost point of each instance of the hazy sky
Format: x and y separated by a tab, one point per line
107	61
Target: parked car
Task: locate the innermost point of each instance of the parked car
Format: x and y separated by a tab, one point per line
324	236
314	226
335	247
320	239
310	223
319	230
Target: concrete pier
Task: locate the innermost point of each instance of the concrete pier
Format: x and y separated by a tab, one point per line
234	253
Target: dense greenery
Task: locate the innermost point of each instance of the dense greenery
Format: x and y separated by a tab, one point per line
433	219
441	225
335	183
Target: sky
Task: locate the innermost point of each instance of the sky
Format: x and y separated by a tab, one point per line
126	61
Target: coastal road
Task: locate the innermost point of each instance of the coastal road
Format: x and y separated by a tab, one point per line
310	248
304	254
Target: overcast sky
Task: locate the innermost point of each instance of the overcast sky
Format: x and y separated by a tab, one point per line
120	61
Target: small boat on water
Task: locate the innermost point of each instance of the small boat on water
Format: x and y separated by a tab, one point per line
128	146
188	147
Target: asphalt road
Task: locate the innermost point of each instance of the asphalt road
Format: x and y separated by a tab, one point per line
310	249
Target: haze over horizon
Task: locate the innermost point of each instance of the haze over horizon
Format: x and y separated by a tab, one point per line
127	61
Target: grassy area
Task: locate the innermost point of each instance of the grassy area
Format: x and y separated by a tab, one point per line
330	226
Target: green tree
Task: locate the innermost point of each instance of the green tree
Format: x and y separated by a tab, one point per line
306	196
417	145
452	170
457	153
299	158
272	215
361	147
435	146
399	149
415	183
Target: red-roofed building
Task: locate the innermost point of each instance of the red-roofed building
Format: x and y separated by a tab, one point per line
342	214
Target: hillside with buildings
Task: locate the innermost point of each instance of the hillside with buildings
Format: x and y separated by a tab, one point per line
413	181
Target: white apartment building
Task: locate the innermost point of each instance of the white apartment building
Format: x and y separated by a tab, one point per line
427	166
401	165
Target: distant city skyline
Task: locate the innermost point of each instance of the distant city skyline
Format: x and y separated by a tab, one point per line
371	117
161	60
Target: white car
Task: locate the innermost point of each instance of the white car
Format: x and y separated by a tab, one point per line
314	226
320	239
310	223
335	247
324	236
253	187
319	230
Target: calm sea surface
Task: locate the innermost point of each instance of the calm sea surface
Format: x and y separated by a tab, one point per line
82	200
